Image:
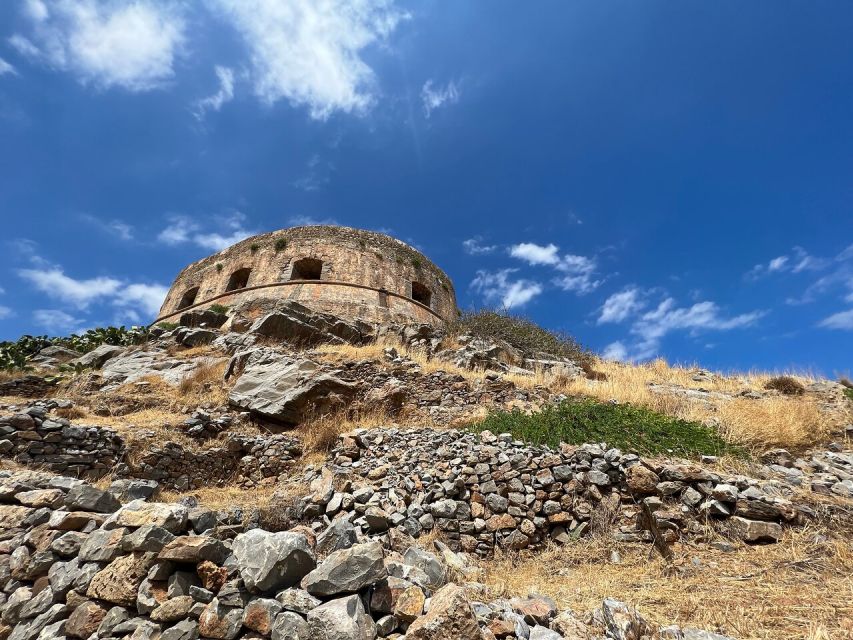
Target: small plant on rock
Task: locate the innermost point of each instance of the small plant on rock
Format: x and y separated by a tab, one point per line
785	385
218	308
280	244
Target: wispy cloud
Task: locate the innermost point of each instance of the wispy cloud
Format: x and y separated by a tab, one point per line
310	53
224	94
309	221
117	228
434	97
619	306
316	174
798	261
6	68
183	229
651	327
57	321
498	287
5	312
574	272
841	320
131	45
79	293
476	246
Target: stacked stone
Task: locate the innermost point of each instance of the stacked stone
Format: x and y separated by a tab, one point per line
486	491
31	437
75	563
244	460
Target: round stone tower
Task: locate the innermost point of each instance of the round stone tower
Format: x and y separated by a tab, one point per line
351	273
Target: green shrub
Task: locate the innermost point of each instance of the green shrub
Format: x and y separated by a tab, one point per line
280	244
219	266
520	332
254	247
16	355
218	308
168	326
624	426
785	385
416	263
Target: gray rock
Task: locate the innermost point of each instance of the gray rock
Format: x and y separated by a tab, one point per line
85	497
127	489
341	619
99	356
297	600
288	391
269	561
347	570
338	535
290	626
184	630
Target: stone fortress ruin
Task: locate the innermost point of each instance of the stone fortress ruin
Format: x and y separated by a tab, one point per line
351	273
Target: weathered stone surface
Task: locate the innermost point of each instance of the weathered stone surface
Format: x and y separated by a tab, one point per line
290	626
450	617
410	604
288	392
85	497
260	613
755	530
173	609
194	549
342	619
85	620
119	581
220	622
172	517
347	570
270	561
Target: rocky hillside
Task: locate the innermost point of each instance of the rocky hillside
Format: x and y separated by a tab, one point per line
294	475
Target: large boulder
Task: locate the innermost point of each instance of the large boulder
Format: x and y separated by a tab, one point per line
98	356
295	323
119	581
202	318
450	617
347	570
288	391
272	561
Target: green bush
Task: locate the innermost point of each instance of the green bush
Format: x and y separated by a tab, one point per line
624	426
218	308
168	326
280	244
520	332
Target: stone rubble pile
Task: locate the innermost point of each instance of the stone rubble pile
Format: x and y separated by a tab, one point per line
826	472
486	491
76	563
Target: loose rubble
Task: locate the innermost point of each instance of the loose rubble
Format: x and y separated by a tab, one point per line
82	565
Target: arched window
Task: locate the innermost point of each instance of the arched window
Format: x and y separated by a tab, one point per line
239	279
188	298
421	293
307	269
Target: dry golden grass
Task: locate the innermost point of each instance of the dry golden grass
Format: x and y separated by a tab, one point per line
799	588
772	421
320	434
222	498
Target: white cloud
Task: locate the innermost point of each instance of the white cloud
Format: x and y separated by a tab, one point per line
577	274
57	321
147	297
309	52
498	287
841	320
79	293
310	221
132	45
5	312
535	254
651	327
797	262
224	94
615	351
475	247
183	229
117	228
619	306
5	68
317	174
435	98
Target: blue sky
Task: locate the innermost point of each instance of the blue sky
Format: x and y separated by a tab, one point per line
656	178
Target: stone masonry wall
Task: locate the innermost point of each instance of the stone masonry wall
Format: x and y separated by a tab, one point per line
374	262
32	438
